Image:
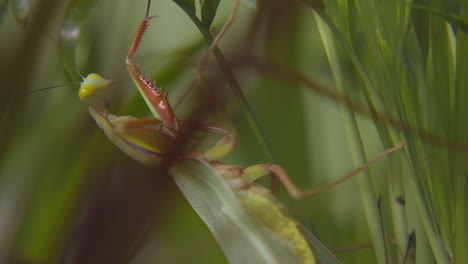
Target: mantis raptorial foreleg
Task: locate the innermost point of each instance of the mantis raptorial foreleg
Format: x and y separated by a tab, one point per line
158	102
147	140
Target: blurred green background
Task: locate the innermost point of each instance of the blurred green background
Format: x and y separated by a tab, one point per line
68	195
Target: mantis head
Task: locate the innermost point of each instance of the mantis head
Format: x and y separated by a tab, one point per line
94	89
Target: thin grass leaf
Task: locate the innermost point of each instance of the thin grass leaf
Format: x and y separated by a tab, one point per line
367	195
458	22
189	8
460	215
208	11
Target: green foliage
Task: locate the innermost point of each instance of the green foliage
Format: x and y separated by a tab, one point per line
409	68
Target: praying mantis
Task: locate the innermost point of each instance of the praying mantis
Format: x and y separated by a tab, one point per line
234	207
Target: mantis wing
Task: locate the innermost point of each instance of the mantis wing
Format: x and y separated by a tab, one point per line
321	252
242	239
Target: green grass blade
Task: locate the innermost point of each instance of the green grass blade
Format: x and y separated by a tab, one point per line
244	105
208	11
356	147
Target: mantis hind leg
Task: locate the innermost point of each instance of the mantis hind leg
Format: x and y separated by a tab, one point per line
255	172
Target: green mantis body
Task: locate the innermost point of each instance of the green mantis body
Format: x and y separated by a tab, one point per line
146	140
147	143
250	208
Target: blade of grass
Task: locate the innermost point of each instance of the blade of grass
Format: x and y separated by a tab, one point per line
356	147
189	9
